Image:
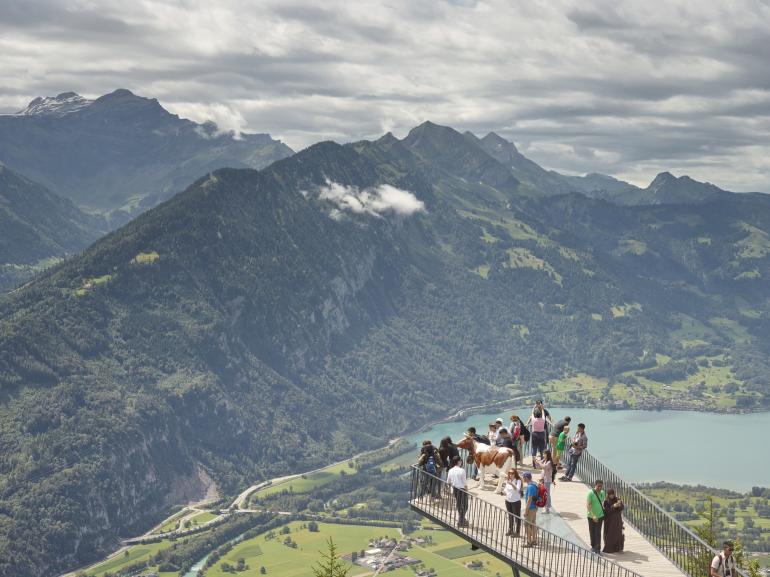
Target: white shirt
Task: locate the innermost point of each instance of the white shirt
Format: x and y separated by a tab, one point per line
727	567
512	489
456	477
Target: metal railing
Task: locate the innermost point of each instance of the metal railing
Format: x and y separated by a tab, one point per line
685	549
486	525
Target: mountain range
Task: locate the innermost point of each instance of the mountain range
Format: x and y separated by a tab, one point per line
121	152
340	296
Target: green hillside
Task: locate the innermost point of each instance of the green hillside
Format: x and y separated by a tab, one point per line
266	322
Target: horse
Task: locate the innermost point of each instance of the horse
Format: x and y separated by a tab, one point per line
488	457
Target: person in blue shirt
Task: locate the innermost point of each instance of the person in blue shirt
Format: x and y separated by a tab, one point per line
530	508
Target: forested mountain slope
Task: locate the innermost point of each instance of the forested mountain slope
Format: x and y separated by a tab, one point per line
334	299
37	228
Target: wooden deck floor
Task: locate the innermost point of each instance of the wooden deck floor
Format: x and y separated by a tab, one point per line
569	500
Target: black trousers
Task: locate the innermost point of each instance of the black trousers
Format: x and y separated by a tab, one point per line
514	516
595	530
461	499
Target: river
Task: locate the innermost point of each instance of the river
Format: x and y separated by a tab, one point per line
687	447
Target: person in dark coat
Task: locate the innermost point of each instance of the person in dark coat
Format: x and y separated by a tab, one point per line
613	523
447	451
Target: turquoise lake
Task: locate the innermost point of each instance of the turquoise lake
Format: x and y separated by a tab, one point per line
717	450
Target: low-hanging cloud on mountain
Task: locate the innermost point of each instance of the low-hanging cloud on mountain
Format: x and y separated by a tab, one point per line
376	201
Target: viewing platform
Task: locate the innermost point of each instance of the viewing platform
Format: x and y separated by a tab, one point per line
656	545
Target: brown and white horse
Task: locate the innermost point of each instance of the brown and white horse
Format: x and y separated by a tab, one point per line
488	458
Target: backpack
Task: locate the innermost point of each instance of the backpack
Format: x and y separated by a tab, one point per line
430	464
723	562
542	497
524	432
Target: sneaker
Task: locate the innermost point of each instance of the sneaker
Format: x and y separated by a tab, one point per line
508	533
547	511
563	478
527	545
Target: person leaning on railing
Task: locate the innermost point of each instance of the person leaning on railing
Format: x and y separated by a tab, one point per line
578	445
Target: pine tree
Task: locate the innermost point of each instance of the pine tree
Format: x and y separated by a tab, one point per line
329	565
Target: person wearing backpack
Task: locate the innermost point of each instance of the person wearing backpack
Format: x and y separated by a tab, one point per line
549	473
520	435
723	565
595	510
530	510
430	462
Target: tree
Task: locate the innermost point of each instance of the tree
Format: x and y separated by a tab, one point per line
329	565
312	527
262	570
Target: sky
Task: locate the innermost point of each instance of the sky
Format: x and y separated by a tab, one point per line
627	88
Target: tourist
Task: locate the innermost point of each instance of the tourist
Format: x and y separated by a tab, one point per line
549	469
447	451
479	439
456	478
544	413
723	565
538	434
577	446
530	510
504	439
613	523
513	491
476	437
520	436
553	438
492	433
430	462
561	443
595	510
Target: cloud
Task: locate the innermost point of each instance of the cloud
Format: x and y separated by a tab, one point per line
374	201
591	86
228	121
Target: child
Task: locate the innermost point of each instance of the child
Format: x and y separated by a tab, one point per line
561	443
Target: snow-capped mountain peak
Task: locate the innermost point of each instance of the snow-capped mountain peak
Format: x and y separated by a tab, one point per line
64	103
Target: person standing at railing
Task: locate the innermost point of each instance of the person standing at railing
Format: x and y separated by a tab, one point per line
530	510
553	439
513	491
519	437
723	565
457	478
613	523
447	451
538	434
595	510
430	461
577	446
561	444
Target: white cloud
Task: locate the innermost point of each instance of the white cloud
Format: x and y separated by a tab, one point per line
227	119
375	201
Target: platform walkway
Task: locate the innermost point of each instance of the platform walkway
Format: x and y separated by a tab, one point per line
562	549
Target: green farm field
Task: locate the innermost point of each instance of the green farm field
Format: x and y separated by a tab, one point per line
445	553
121	560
